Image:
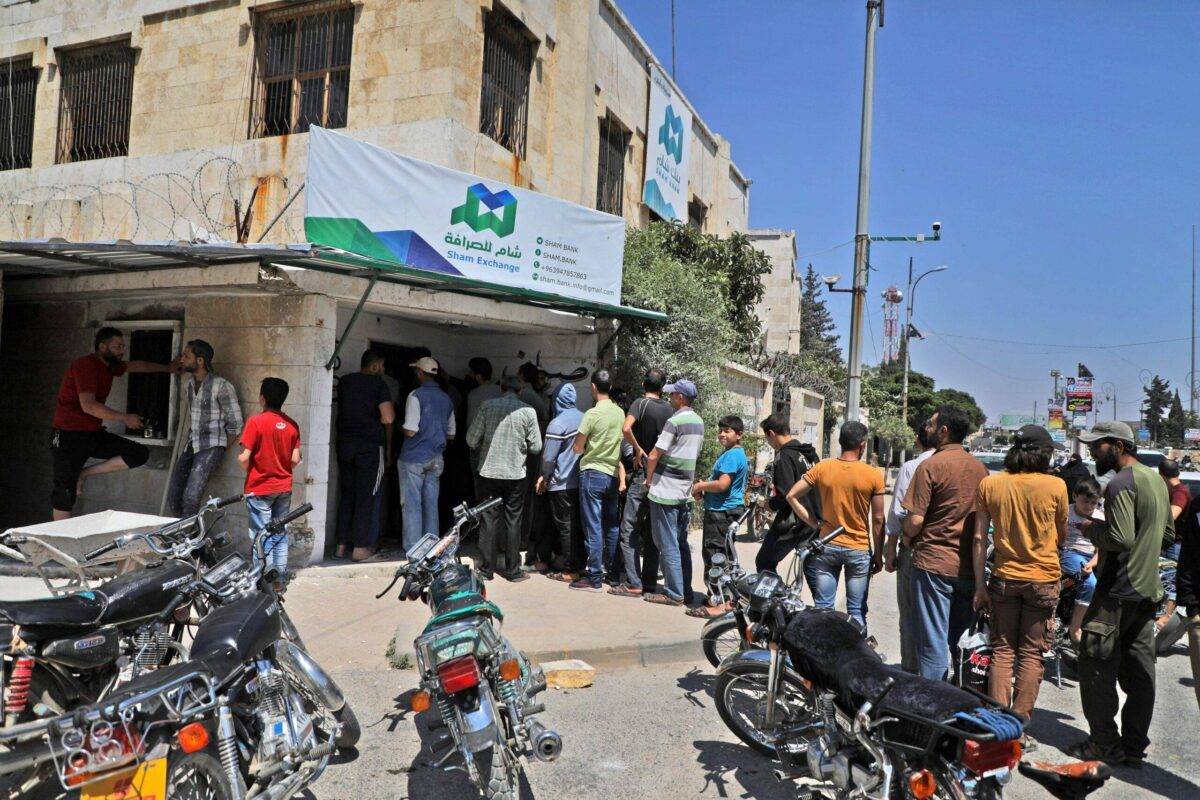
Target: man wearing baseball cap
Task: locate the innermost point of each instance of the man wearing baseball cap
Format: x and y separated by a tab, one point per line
670	470
428	425
1118	630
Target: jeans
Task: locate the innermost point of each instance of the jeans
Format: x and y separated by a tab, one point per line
360	490
189	478
1021	614
598	500
1118	647
501	526
419	483
821	573
910	661
262	509
1072	562
637	539
669	525
942	610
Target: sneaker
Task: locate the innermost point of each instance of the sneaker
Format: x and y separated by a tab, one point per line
585	585
517	577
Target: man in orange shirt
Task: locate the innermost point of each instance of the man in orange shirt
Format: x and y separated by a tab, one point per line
851	494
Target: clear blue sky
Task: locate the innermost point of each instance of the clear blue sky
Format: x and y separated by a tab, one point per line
1058	142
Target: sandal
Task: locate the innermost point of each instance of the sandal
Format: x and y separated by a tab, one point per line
661	600
625	590
1087	750
563	577
707	612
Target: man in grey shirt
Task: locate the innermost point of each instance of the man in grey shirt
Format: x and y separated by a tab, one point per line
898	558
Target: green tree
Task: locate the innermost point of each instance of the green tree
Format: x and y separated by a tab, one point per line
1158	400
1175	423
960	399
818	334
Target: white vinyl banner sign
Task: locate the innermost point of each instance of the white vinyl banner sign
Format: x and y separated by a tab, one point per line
668	144
370	201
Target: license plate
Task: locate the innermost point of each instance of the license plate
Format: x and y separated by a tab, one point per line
146	781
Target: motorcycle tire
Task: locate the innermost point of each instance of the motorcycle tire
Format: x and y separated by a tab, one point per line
720	640
794	703
198	776
1171	633
350	731
499	773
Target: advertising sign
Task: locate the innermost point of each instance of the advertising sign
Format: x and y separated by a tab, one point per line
1143	434
1054	415
1014	420
1191	435
1079	394
668	144
1059	435
1079	421
370	201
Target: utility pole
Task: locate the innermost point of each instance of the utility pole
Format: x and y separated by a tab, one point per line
672	39
908	311
1055	374
862	242
1191	388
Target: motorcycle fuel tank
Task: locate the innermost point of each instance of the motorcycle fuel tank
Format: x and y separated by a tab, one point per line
143	592
243	628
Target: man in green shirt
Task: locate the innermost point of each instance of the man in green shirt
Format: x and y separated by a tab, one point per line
600	479
1118	629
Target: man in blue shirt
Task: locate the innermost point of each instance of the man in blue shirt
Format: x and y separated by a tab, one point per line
724	496
428	426
560	478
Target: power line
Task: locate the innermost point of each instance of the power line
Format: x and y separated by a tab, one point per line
1062	346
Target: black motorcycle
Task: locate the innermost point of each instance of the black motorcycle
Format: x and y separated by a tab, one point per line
249	715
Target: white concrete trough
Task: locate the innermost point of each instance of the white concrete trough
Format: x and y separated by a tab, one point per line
63	544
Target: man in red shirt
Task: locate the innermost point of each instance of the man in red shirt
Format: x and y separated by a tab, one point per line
270	450
79	415
1180	498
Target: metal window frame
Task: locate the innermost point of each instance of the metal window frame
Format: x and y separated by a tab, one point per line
109	100
18	107
258	112
610	172
120	393
509	50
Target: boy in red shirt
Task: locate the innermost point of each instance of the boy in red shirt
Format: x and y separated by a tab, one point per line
270	449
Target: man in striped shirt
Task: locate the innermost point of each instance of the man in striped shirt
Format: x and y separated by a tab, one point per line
215	419
670	470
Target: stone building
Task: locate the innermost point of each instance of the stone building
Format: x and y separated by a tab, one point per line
152	143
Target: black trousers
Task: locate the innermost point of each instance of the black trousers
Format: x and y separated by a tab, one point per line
360	498
775	547
501	528
70	450
716	524
564	535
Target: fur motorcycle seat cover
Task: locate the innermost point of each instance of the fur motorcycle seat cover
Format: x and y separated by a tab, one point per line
828	649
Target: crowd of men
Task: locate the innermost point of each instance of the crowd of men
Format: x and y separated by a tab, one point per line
604	497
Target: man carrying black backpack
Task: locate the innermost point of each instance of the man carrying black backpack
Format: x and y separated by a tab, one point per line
793	458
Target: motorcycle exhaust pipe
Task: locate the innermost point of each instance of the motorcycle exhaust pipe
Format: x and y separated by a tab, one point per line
547	745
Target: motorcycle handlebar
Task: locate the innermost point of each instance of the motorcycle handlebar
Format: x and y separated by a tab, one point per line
228	501
277	525
107	547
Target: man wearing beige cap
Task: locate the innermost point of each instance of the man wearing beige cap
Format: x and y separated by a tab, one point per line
428	425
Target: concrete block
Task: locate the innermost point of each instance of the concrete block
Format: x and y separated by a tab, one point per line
569	674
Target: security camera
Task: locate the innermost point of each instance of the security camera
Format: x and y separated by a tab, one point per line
937	226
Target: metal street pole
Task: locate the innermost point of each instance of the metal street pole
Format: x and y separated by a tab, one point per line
908	311
1192	391
862	242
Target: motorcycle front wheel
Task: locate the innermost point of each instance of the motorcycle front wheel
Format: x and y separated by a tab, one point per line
741	694
720	640
198	776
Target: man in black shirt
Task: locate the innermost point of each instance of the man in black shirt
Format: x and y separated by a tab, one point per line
365	414
792	459
644	422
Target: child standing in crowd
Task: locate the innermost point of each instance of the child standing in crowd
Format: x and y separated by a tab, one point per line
1078	556
270	450
724	497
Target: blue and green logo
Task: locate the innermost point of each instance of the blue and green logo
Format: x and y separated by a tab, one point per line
670	134
486	211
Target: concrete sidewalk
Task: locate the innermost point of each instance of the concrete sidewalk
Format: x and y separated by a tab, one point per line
342	622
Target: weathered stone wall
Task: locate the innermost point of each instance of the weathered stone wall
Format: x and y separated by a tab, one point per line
779	309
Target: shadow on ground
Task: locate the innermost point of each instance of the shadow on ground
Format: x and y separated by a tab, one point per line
735	770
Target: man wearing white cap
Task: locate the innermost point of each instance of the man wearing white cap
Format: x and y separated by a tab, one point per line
428	425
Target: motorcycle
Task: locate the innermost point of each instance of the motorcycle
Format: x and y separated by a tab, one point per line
758	492
249	715
484	689
727	634
59	652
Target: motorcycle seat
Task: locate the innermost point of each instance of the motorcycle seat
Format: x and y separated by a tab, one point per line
1072	781
828	649
82	608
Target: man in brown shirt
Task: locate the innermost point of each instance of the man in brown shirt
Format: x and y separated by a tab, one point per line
941	505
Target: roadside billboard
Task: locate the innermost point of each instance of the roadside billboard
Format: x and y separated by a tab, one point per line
668	145
1013	420
370	201
1079	394
1191	435
1054	417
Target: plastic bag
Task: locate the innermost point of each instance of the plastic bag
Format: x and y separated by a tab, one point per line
975	656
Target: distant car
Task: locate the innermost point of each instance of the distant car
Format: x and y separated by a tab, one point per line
1192	481
1151	458
993	461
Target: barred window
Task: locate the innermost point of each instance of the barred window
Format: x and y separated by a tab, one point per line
507	66
697	213
302	68
18	85
610	179
94	102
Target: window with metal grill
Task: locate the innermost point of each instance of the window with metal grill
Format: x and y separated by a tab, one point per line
94	102
302	68
18	85
507	66
610	178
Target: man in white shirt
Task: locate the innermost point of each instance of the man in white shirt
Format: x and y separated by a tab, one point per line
898	558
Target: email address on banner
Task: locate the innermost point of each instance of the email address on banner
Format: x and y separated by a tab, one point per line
583	287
